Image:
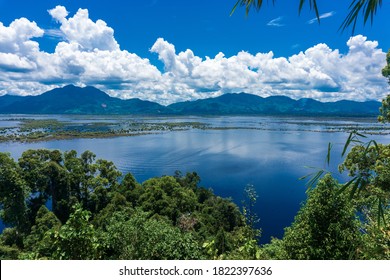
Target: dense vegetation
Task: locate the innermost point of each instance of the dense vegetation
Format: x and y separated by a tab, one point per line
97	213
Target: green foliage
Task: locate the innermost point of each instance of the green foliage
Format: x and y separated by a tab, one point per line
142	237
384	117
220	213
77	239
9	253
130	189
118	203
376	240
94	215
325	227
369	165
274	250
386	69
12	237
385	109
13	194
38	242
244	244
166	197
97	215
190	180
46	178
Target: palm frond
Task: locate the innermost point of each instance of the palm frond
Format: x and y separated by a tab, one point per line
330	145
313	6
248	5
367	8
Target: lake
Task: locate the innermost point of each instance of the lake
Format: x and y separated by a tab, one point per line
269	153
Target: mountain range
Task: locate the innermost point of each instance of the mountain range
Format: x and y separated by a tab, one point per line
90	100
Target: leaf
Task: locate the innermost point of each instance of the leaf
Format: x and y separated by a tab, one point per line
361	135
316	10
347	143
346	185
314	180
328	154
368	9
363	185
234	8
376	146
380	212
310	167
248	4
310	174
352	16
355	187
313	6
306	176
301	5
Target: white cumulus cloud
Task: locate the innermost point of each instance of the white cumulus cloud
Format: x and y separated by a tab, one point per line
82	30
59	13
319	72
88	54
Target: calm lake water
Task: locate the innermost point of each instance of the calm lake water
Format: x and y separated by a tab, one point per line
269	153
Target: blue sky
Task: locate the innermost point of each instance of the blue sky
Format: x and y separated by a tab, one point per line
170	50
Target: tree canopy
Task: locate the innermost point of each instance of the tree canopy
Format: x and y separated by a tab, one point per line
63	206
51	201
385	109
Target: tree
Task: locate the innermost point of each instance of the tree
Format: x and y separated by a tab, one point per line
386	69
142	237
77	239
13	194
166	197
43	171
38	242
218	213
385	109
376	240
326	227
367	8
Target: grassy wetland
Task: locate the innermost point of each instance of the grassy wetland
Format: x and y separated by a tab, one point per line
55	127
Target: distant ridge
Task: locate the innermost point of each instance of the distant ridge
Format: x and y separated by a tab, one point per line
249	104
76	100
90	100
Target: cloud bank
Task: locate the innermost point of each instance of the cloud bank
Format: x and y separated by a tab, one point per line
88	54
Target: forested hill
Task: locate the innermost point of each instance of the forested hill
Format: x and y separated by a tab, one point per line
76	100
249	104
89	100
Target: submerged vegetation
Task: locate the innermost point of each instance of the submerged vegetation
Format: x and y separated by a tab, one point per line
30	130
